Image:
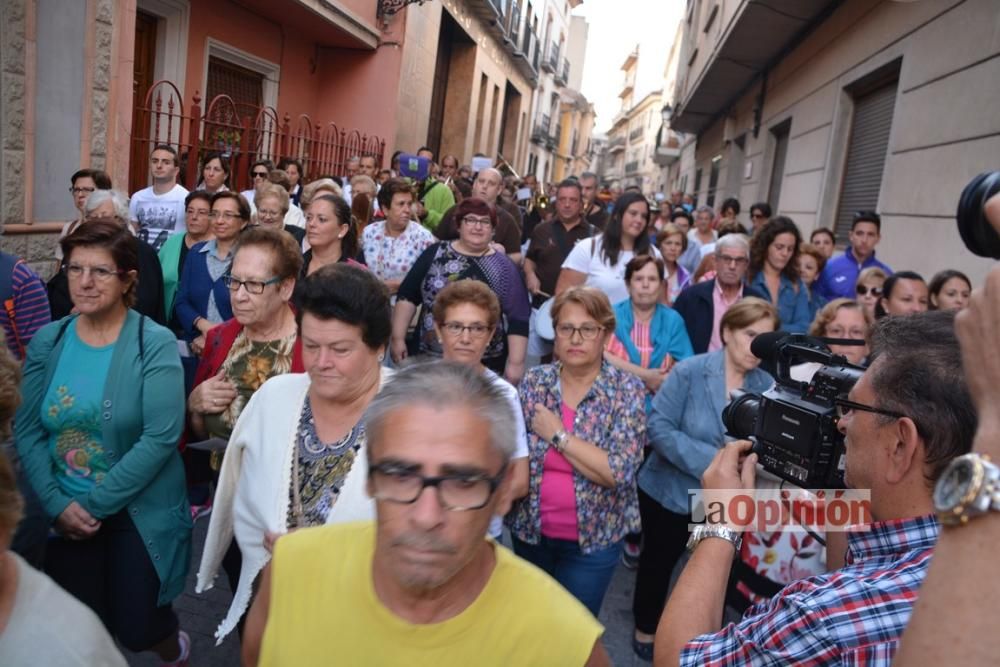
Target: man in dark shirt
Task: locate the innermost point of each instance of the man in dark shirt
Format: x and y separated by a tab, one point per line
551	242
507	233
593	211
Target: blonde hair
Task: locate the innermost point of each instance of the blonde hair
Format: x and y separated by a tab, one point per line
272	190
592	300
745	312
828	313
317	187
870	273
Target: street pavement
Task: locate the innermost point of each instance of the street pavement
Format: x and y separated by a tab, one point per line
200	614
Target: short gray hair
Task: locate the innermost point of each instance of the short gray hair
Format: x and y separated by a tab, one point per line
449	384
98	197
705	209
588	175
736	241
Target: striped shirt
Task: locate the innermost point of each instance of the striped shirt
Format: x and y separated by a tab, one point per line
31	308
853	616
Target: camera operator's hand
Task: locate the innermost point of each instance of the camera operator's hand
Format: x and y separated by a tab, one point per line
731	473
976	327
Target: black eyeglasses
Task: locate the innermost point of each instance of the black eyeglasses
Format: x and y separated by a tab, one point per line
863	290
80	191
260	174
457	492
845	407
252	286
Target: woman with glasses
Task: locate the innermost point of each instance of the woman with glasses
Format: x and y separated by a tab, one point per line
259	171
391	246
773	270
587	428
272	203
97	434
296	456
869	289
202	298
466	314
174	251
685	432
214	174
331	233
82	184
472	256
600	261
760	213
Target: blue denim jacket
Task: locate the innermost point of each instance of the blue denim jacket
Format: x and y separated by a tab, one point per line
685	427
793	305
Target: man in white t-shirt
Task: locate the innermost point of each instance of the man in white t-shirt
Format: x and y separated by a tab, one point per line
158	211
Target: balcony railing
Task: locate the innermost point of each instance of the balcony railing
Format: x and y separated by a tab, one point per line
669	150
540	132
635	134
616	144
562	75
632	167
551	62
554	138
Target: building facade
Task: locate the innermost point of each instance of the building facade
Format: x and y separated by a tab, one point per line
95	83
824	108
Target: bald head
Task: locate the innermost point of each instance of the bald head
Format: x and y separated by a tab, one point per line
488	184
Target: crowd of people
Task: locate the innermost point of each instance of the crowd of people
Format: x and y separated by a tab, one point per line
297	362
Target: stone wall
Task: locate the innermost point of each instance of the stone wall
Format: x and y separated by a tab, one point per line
12	99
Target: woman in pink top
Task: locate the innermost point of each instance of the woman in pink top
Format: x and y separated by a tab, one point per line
587	427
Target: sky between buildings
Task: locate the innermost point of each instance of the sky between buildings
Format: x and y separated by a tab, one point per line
616	26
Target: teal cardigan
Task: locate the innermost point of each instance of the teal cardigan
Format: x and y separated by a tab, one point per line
170	257
143	418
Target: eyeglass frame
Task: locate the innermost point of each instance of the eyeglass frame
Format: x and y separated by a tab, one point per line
435	481
73	190
862	290
228	280
456	329
854	405
735	261
257	174
577	330
104	276
477	222
225	215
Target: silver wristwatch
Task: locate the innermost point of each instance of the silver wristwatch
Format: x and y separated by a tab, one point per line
703	530
559	441
968	487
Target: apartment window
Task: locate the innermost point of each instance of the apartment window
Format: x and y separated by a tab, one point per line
866	153
713	180
697	187
711	17
779	135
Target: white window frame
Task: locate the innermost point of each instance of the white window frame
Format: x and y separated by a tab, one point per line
270	71
171	39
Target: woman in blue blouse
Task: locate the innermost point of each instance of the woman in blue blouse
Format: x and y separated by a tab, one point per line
202	298
97	434
774	251
685	432
587	427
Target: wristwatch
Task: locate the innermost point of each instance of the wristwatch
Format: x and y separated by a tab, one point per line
968	487
703	530
560	440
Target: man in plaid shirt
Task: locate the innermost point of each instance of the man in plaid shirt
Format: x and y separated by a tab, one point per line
912	413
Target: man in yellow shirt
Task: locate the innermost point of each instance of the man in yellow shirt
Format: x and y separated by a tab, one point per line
422	585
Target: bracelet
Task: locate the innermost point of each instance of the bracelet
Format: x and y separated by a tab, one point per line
560	440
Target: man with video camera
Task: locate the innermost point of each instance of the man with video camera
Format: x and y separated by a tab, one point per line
907	417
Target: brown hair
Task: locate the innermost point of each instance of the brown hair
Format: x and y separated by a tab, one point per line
639	263
762	240
242	205
390	189
814	252
745	312
117	240
286	257
592	300
670	229
472	292
280	177
828	313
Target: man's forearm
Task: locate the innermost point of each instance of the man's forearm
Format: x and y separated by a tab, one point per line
697	601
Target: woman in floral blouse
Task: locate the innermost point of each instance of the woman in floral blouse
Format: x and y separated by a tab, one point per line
471	256
587	426
391	246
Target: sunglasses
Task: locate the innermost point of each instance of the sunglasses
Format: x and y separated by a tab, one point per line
863	290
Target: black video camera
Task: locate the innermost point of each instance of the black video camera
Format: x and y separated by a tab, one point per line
794	424
978	234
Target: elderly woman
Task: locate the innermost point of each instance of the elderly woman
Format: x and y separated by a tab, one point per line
318	187
774	251
685	432
466	314
672	242
174	251
391	246
112	206
297	455
214	174
903	293
844	319
949	290
868	288
97	434
587	430
272	203
473	256
600	261
649	337
202	299
331	233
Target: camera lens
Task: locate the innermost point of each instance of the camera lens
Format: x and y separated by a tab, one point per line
740	416
977	233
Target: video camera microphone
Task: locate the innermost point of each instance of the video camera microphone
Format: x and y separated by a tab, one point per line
764	345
